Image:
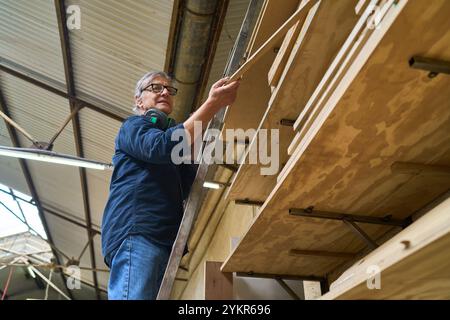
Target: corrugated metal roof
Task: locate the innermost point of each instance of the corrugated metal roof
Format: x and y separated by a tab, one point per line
10	169
117	43
98	133
39	112
11	174
98	186
29	36
58	187
4	135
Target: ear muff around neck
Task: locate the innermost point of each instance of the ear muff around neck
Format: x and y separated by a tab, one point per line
159	118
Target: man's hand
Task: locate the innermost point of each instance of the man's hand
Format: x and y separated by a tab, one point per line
223	94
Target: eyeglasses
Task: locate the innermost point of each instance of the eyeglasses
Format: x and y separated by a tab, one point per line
158	88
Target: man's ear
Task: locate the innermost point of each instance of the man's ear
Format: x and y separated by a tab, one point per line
138	102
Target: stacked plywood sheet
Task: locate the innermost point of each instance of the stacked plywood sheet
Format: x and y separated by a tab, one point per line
370	139
324	31
415	264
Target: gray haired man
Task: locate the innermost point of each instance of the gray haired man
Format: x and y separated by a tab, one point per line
147	190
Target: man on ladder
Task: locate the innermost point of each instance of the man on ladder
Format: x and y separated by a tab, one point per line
145	204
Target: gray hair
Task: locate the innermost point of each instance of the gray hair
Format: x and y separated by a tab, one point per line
145	81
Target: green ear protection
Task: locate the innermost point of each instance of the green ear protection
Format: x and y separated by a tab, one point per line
159	118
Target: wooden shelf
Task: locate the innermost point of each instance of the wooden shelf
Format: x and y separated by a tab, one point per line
324	31
389	113
415	264
254	92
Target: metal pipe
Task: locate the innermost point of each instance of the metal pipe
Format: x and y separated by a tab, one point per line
19	128
49	282
197	27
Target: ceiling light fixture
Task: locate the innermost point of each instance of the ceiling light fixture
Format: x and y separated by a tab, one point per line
53	157
211	185
215	185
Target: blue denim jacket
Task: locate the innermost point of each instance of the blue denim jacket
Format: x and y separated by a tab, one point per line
147	190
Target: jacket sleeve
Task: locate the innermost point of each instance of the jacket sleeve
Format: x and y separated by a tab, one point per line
142	140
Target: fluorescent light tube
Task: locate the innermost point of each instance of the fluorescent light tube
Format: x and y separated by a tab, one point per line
31	272
53	157
211	185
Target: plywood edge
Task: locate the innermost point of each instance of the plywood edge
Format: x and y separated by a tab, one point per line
254	74
268	22
246	168
339	90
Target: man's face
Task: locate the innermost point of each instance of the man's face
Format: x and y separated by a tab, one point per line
161	101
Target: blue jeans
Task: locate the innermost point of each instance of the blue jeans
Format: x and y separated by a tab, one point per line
137	269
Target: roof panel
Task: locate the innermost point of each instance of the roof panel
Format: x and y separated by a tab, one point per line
4	135
29	36
58	187
98	133
117	43
41	114
98	186
10	173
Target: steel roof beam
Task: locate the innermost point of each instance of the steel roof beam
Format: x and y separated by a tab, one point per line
68	70
59	91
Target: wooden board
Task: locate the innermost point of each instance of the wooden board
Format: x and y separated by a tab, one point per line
283	54
415	264
324	31
218	285
254	91
389	113
271	18
343	69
